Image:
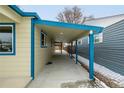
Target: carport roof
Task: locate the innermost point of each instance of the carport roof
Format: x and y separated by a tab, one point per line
69	31
97	29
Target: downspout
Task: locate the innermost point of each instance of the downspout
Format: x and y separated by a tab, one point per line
32	47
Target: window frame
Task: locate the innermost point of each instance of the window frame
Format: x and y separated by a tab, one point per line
99	36
79	42
13	39
45	40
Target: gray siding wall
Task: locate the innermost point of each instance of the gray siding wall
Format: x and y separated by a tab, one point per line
110	53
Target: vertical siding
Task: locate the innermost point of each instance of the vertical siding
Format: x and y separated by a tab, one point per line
19	64
42	55
110	53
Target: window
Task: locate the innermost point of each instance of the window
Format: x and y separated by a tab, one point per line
79	42
98	38
43	40
7	38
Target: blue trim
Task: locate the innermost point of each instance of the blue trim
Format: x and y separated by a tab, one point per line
20	12
91	56
69	25
14	40
32	48
76	50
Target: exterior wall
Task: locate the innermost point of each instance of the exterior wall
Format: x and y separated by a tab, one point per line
110	53
5	19
19	64
106	21
6	11
42	55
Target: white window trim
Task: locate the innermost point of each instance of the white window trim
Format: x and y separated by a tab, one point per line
101	38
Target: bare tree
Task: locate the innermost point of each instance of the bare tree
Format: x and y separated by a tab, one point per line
72	15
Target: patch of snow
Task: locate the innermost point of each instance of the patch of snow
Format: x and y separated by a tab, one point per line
103	70
103	84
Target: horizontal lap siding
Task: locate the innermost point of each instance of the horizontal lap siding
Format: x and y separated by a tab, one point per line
83	50
110	53
19	64
39	53
42	55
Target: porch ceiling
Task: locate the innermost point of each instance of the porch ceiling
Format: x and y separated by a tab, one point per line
60	34
64	32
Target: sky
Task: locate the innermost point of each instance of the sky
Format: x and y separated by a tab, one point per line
49	12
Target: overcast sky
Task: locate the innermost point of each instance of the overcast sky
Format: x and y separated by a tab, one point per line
49	12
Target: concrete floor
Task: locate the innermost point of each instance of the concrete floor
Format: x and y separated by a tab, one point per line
14	82
62	70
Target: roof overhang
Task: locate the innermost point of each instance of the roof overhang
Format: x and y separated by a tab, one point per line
25	14
70	31
96	29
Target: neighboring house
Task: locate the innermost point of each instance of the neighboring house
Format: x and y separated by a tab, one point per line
105	21
109	50
109	45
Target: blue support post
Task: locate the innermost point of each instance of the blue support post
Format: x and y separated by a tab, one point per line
91	55
76	51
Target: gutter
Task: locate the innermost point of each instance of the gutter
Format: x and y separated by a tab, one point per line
25	14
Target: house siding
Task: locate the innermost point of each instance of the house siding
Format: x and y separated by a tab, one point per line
110	53
18	65
105	21
42	55
8	12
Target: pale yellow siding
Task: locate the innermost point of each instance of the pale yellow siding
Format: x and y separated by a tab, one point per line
42	55
18	65
8	12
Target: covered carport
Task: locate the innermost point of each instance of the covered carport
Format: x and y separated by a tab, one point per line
66	33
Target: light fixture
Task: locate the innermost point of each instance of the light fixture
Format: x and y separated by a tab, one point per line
61	33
